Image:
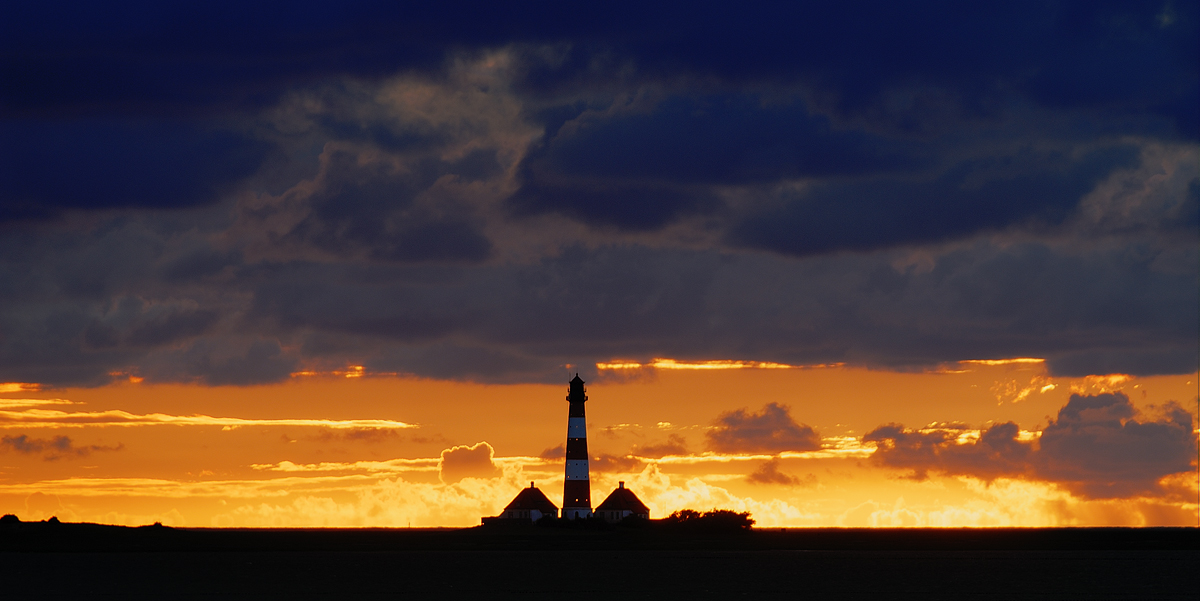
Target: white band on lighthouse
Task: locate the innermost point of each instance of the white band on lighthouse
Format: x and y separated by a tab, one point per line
577	469
577	427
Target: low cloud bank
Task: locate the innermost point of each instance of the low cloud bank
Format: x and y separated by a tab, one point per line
1099	446
771	430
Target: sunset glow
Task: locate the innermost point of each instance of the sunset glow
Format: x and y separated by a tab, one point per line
833	264
673	364
376	457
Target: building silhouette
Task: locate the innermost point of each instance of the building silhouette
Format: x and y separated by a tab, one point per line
530	504
622	503
577	489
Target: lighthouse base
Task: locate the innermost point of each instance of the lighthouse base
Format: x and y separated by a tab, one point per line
576	513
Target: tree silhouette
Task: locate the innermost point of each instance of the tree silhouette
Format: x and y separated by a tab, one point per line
717	520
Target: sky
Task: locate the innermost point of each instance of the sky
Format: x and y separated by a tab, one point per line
835	264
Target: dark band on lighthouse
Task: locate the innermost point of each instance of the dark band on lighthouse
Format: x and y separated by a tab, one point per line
577	501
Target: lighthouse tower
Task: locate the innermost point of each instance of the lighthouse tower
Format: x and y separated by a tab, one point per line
577	490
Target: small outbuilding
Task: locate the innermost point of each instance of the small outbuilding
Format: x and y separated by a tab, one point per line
529	504
621	504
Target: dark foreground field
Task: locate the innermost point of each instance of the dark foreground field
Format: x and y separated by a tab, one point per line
78	561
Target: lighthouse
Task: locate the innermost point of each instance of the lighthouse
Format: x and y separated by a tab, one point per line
577	490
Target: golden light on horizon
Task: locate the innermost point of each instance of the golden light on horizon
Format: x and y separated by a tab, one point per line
366	451
663	363
351	371
7	387
1014	360
52	418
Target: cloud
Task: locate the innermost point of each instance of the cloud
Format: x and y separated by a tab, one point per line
441	193
604	463
6	404
467	462
771	430
190	61
391	465
665	495
968	198
1096	448
364	205
118	162
768	473
996	453
51	449
558	453
43	506
51	418
367	435
674	445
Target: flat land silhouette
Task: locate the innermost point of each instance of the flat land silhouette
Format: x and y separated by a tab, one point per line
44	560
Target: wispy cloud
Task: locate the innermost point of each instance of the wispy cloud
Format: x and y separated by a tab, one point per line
660	363
51	449
51	418
1012	361
422	464
6	387
16	403
391	465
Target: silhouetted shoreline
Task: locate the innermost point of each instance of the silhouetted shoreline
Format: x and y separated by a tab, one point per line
45	560
46	536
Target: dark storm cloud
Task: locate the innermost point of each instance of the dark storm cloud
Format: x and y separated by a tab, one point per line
132	322
630	207
369	302
51	449
369	209
859	45
969	198
1098	447
644	168
52	165
771	430
490	192
1173	359
728	139
220	362
511	323
899	64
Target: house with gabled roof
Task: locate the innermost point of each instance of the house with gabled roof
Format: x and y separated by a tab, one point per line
620	504
530	504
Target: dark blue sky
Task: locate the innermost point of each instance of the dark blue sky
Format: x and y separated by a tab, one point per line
219	193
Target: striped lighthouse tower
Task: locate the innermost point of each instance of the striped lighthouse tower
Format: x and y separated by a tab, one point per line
577	490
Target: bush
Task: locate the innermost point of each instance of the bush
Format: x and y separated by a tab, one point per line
718	520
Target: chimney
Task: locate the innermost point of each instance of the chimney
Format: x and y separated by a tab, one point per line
621	484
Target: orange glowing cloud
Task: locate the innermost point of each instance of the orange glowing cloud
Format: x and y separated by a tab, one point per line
661	363
51	418
1013	361
7	387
